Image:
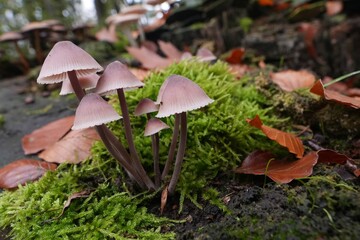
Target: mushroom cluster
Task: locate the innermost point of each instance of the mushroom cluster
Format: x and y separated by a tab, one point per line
78	72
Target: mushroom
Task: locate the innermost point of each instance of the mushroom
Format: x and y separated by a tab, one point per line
125	21
152	128
86	82
117	77
205	55
178	95
34	29
15	37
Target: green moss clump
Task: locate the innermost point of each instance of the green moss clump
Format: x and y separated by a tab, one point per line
35	210
218	135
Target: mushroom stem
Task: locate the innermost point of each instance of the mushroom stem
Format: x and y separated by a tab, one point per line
113	145
172	148
37	43
155	142
23	60
180	154
128	34
128	134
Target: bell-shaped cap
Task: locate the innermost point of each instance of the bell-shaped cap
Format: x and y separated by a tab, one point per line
205	55
145	106
65	56
117	76
93	110
86	82
180	94
11	36
186	55
125	19
134	9
154	125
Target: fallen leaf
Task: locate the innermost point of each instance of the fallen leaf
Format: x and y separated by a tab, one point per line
170	50
357	172
139	73
148	58
309	31
266	2
239	70
319	89
330	156
281	171
73	148
164	196
73	196
46	136
290	80
22	171
236	56
288	140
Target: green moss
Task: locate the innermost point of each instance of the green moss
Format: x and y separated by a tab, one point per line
34	211
218	135
2	120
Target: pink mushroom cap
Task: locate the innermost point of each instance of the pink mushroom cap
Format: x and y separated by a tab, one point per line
86	82
205	55
145	106
117	76
93	110
179	94
154	125
65	56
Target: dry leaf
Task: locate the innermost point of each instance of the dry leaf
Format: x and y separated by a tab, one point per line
309	31
46	136
164	196
73	196
290	80
288	140
333	7
281	171
73	148
148	58
266	2
170	50
318	89
22	171
330	156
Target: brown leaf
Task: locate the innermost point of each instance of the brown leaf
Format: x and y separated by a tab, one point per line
290	80
333	7
170	50
73	148
288	140
164	196
330	156
236	56
73	196
148	58
47	135
139	73
318	89
22	171
281	171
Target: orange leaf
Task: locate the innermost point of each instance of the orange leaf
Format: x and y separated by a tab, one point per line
236	56
318	89
266	2
287	140
290	80
73	148
164	196
330	156
281	171
148	58
47	135
22	171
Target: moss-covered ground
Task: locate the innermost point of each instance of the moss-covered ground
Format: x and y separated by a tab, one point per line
211	201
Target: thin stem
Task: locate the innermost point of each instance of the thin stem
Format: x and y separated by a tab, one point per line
172	148
23	60
128	134
80	93
155	147
180	154
341	78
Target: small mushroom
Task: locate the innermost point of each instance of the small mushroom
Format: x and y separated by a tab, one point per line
117	77
152	128
205	55
146	106
125	21
15	37
177	96
86	82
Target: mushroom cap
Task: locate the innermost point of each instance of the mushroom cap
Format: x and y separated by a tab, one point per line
125	19
145	106
134	9
205	55
179	94
117	76
86	82
93	110
186	55
32	26
154	2
154	125
51	22
10	36
66	56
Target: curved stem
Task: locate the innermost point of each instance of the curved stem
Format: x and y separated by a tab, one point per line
128	134
180	154
155	148
172	148
23	60
80	93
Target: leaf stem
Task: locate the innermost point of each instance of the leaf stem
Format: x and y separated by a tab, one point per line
342	78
